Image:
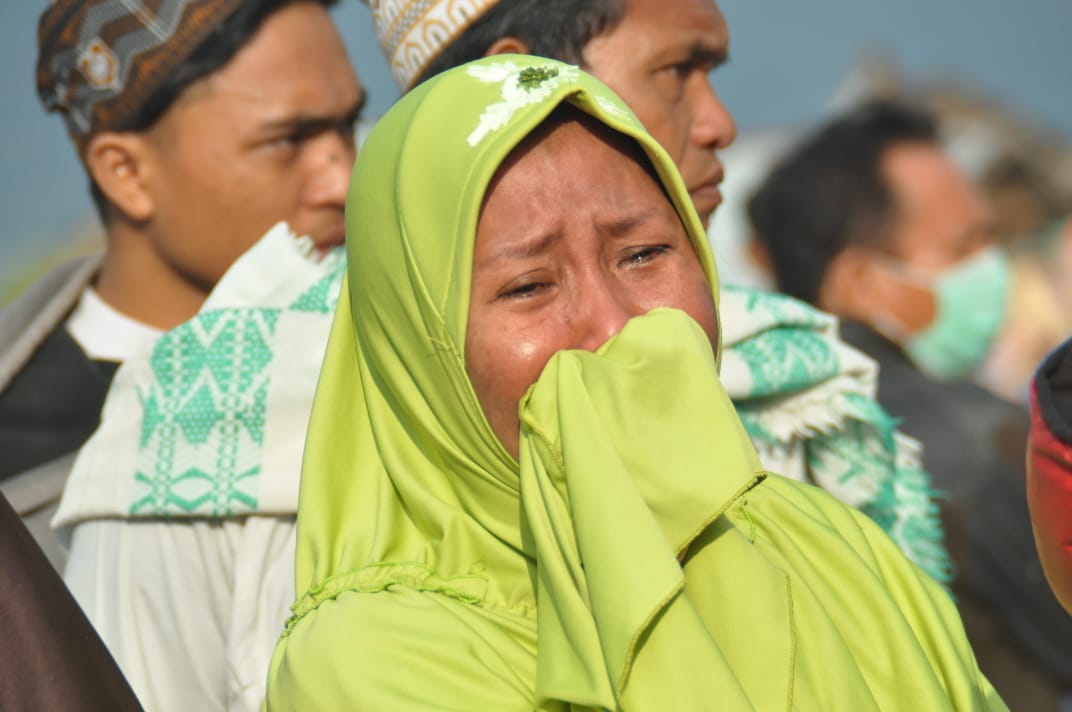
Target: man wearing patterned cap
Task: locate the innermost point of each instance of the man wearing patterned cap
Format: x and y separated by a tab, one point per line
658	55
200	124
655	54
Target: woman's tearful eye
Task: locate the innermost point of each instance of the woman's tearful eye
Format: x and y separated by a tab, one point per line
522	290
639	256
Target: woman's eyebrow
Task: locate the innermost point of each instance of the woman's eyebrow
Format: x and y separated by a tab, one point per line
531	246
622	225
526	247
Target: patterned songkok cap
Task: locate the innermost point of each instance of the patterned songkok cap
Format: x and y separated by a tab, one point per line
412	33
100	61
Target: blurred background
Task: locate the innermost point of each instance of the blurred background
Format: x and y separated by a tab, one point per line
994	69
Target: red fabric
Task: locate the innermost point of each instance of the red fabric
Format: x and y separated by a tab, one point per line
1049	497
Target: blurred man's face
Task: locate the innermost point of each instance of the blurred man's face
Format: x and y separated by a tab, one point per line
941	221
658	59
268	137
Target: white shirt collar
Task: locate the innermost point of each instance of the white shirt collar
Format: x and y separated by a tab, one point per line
106	334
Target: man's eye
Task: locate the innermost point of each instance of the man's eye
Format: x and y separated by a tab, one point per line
683	69
285	142
643	255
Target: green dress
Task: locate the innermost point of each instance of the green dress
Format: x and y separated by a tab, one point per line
635	556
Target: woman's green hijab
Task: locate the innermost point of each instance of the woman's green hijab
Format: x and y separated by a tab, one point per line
635	556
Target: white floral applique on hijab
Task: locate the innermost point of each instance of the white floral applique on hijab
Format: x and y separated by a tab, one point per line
521	87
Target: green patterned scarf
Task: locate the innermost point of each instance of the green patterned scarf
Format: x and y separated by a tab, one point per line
212	424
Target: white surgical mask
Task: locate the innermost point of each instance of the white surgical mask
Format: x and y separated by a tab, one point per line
971	299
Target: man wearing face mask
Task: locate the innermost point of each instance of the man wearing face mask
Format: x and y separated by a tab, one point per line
869	220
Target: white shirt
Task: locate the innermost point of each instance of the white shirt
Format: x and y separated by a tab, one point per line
106	334
191	608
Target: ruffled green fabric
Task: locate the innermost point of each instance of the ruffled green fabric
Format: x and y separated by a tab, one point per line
636	557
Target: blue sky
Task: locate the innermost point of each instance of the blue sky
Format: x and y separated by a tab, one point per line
787	58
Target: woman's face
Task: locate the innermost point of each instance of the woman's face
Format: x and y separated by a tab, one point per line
574	238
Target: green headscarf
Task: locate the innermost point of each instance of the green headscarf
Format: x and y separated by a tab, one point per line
635	557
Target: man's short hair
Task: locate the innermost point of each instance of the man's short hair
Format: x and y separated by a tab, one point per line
829	193
557	29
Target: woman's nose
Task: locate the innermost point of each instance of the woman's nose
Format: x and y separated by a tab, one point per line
602	314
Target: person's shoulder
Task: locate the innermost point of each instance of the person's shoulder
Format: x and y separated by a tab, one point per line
957	414
775	345
348	650
1052	394
1049	470
39	487
830	552
813	502
807	508
34	495
985	422
746	312
28	320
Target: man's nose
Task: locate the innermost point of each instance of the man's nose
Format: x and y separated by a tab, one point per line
601	313
713	125
330	179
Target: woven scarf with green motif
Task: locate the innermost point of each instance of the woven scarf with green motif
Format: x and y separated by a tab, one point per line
212	423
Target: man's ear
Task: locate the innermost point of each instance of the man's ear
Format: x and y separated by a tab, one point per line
507	45
849	287
119	163
759	255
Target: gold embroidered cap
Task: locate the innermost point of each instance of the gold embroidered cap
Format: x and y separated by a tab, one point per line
100	61
412	33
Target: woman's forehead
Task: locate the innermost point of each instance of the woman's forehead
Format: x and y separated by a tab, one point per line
567	126
566	175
